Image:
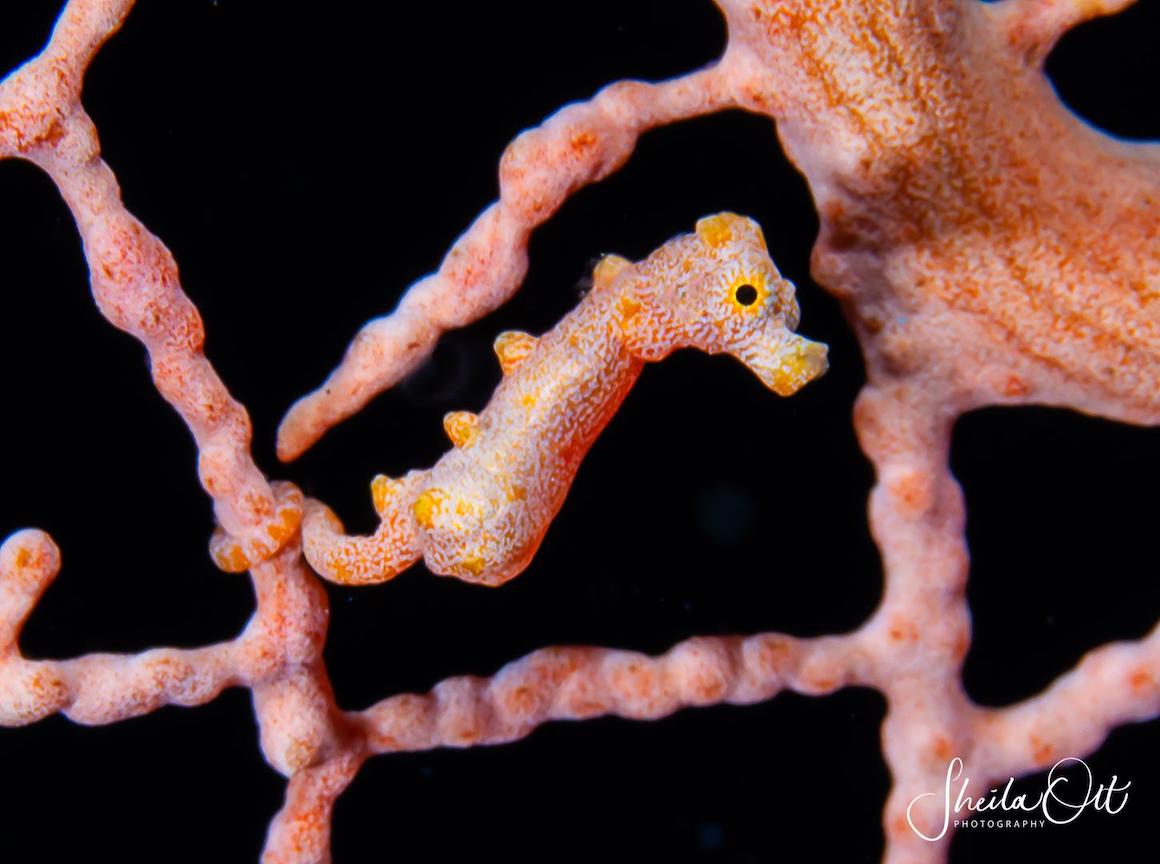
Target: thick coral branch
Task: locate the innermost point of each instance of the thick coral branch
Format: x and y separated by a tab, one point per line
81	30
1036	25
580	144
37	98
96	688
975	269
575	683
1112	685
921	632
135	283
300	832
134	277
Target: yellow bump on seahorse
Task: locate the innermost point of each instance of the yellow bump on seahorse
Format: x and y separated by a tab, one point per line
383	489
607	269
511	347
462	427
716	230
481	511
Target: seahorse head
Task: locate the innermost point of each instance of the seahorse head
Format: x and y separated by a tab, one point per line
718	290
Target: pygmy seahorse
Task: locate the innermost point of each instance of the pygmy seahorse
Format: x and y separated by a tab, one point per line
481	511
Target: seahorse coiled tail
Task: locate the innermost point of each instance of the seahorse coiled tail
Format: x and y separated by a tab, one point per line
481	511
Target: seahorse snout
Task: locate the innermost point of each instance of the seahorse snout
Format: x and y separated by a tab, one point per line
784	361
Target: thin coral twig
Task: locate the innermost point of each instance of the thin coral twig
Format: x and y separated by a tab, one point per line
578	145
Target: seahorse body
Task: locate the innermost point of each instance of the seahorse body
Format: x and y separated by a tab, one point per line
482	510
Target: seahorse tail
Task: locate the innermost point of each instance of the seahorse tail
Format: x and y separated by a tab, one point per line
365	560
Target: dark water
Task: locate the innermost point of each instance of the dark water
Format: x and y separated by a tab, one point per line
306	165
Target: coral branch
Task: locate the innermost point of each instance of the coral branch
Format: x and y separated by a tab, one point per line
1036	25
300	833
97	688
134	277
38	98
988	247
1111	686
580	144
575	683
81	30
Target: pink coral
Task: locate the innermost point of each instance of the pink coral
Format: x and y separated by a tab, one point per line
987	247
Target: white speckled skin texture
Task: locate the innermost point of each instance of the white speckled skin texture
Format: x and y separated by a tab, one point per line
480	513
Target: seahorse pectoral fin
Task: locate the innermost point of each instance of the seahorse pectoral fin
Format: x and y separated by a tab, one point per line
607	269
784	361
511	347
462	427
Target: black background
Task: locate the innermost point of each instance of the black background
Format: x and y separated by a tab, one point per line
305	162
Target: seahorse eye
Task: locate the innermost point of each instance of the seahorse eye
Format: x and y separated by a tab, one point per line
746	294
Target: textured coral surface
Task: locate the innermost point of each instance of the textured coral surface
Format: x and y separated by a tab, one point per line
987	247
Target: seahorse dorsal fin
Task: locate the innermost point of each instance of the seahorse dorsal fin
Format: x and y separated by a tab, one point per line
511	347
462	427
607	269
